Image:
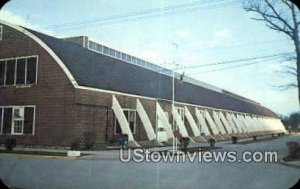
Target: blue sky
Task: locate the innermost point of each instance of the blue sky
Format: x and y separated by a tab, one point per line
205	32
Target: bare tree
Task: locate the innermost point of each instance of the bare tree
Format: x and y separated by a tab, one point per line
282	16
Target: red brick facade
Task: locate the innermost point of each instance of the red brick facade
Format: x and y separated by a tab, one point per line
63	113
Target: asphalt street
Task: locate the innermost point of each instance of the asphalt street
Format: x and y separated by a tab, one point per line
104	170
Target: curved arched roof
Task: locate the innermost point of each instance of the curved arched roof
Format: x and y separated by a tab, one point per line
91	69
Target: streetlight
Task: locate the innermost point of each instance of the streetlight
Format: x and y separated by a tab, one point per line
174	144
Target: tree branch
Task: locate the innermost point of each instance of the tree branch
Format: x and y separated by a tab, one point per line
287	86
278	16
286	28
276	27
287	3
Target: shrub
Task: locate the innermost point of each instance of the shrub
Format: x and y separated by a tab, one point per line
76	144
254	138
184	142
10	144
234	139
212	142
89	140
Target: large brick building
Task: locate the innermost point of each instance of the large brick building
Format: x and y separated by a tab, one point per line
54	90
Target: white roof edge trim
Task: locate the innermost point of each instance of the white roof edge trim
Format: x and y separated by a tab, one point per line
48	49
155	99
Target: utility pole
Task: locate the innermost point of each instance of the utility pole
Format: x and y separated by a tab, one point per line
173	99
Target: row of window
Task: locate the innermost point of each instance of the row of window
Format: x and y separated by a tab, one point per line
17	120
18	71
133	60
126	57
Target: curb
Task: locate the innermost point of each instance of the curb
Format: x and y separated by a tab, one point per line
39	156
282	162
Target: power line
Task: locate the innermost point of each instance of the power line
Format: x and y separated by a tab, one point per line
157	12
239	45
238	60
235	66
85	21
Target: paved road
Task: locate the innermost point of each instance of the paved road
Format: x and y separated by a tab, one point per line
98	171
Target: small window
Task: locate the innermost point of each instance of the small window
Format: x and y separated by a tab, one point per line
143	63
112	52
7	120
99	48
18	126
139	61
105	50
1	32
21	64
1	120
2	72
123	56
90	44
31	70
10	72
117	127
128	58
134	60
118	54
18	120
28	120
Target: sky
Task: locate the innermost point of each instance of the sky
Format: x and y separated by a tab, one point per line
188	34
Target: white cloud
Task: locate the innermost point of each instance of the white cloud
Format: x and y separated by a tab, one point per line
12	18
223	34
183	34
8	16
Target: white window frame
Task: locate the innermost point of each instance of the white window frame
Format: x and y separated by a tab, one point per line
8	59
4	78
127	118
1	32
17	119
15	73
12	121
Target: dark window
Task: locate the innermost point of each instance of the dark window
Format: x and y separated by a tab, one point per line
1	32
130	116
10	72
128	58
118	54
31	70
133	59
7	118
105	50
112	52
1	109
2	72
117	127
99	48
21	63
28	120
123	56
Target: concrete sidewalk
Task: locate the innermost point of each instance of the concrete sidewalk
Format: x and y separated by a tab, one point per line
114	154
33	172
